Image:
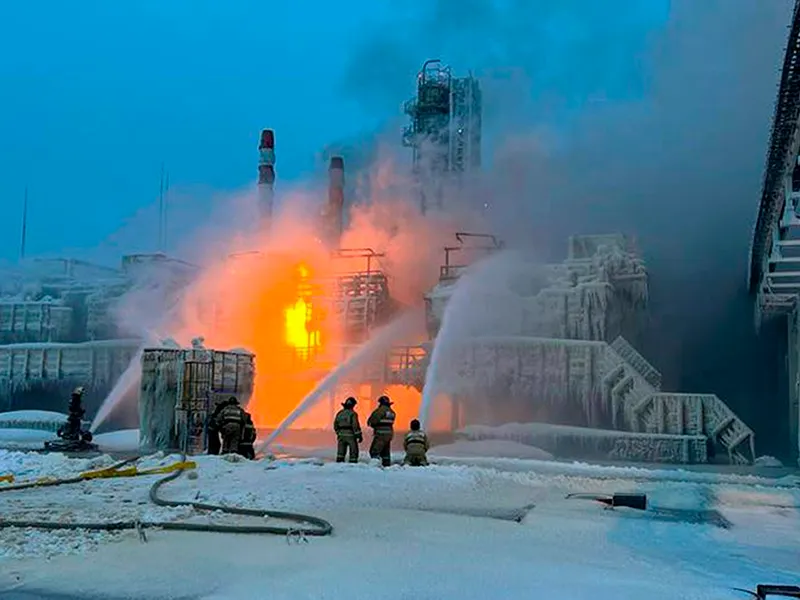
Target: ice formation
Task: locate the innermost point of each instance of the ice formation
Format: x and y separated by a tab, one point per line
511	349
60	325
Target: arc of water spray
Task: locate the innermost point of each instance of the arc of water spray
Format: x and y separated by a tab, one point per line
380	342
132	374
459	311
127	381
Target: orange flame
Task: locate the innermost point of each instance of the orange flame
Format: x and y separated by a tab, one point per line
277	298
299	318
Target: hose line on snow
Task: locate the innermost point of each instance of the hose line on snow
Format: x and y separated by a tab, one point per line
307	525
53	482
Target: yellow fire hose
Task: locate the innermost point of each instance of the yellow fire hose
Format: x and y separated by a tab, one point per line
314	526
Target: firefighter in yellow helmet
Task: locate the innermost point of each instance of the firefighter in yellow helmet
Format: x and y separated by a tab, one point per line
348	431
416	446
382	422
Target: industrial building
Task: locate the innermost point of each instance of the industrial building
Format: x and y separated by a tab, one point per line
774	265
444	134
551	363
57	325
559	356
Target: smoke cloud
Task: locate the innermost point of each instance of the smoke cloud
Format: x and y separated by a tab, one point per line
649	118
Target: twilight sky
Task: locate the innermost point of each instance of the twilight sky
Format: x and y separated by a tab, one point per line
96	94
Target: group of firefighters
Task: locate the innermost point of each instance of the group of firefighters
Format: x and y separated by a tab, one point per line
231	430
349	436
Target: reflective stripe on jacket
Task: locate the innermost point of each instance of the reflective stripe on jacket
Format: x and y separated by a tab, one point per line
416	442
382	419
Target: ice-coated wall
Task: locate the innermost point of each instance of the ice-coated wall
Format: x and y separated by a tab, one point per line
163	371
43	375
498	379
34	321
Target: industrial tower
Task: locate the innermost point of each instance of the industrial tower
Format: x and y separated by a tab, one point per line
266	174
445	131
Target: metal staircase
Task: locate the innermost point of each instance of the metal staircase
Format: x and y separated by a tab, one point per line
631	387
624	385
630	355
696	414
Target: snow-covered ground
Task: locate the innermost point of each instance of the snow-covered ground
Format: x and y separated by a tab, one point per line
20	438
41	420
493	448
440	532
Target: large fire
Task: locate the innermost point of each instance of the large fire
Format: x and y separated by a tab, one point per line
274	298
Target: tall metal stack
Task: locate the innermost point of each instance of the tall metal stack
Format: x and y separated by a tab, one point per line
266	174
332	212
445	131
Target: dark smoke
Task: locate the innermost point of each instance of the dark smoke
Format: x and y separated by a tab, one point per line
650	118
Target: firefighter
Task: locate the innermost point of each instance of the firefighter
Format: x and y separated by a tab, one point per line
416	446
246	448
382	422
348	431
214	445
230	422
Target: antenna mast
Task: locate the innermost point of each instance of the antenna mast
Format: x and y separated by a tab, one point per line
161	209
164	214
24	225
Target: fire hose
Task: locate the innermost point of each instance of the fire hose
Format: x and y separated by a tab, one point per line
307	525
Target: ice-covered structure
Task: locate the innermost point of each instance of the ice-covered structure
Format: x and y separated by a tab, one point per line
59	327
179	389
774	265
561	356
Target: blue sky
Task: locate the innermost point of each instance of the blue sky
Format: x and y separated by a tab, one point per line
96	94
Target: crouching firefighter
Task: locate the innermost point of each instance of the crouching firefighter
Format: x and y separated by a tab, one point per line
416	446
382	422
246	444
229	422
348	431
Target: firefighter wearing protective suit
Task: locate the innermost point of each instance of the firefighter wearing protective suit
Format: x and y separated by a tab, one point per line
416	446
246	447
214	445
348	431
230	422
382	422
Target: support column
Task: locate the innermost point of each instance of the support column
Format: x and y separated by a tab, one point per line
793	351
